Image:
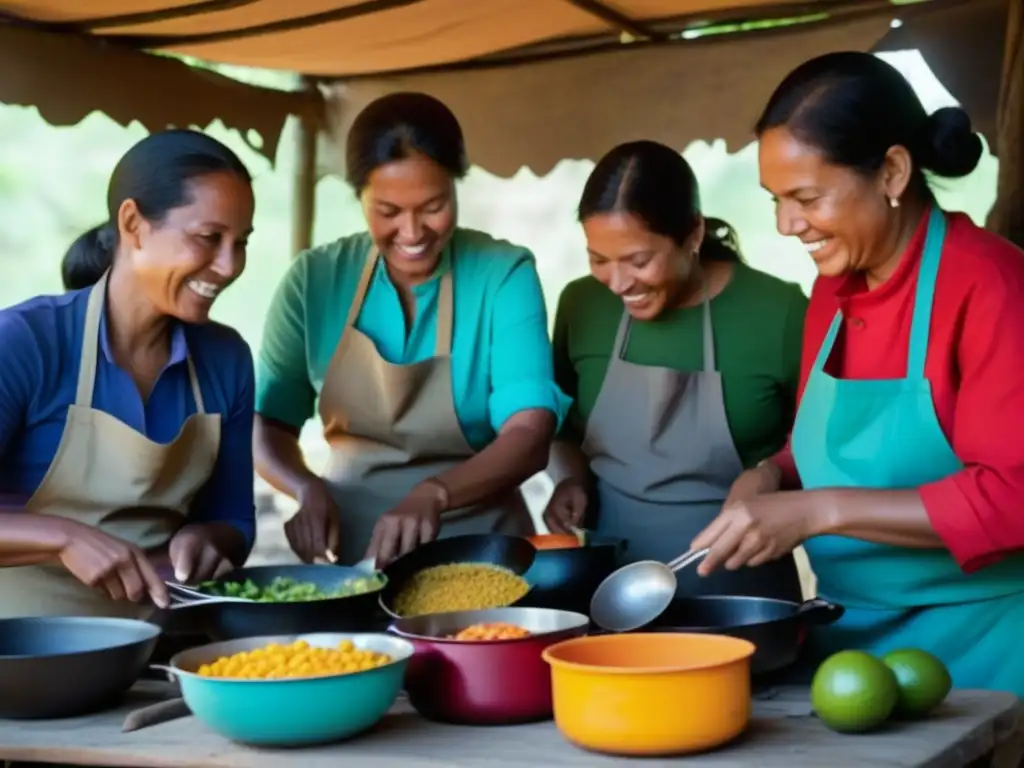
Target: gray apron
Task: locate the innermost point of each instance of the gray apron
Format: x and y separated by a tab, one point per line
392	426
659	445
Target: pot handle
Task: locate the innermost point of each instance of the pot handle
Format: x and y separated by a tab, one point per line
171	672
820	612
384	606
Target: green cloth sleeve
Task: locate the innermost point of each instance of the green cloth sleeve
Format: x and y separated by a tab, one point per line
283	389
521	368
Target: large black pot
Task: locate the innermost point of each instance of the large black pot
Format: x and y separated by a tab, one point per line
230	620
777	627
566	579
510	552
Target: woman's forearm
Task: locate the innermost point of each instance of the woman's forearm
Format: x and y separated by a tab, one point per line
518	453
278	457
897	518
29	538
568	462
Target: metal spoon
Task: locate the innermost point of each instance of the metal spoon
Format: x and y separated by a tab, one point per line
638	593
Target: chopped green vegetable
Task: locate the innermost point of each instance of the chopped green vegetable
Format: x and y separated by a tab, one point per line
285	590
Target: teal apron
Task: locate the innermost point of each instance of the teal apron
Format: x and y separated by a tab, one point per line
884	434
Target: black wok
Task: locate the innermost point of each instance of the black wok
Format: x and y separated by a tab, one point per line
232	620
777	627
511	552
52	667
566	579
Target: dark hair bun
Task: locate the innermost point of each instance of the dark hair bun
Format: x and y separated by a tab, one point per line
951	148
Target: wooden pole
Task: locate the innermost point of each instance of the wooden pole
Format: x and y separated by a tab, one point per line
1007	216
304	193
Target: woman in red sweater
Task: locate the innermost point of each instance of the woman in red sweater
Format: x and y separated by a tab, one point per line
904	476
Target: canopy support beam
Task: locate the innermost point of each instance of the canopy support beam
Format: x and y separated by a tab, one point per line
618	21
304	197
1007	216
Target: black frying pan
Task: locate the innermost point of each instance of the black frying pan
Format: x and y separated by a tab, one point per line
230	620
53	667
511	552
566	579
777	627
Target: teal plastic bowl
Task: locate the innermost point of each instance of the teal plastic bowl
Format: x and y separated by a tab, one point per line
297	711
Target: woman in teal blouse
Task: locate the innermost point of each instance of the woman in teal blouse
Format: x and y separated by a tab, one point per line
422	346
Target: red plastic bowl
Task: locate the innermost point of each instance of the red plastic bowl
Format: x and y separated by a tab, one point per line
498	682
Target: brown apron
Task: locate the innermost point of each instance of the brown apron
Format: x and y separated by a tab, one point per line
659	445
392	426
101	469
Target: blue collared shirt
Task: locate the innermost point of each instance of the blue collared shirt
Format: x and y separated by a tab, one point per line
40	350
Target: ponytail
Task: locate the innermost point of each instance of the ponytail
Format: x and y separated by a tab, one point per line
89	257
720	243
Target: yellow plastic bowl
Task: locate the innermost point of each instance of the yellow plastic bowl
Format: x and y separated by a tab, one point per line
651	694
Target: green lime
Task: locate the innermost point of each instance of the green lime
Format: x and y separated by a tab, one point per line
924	682
853	692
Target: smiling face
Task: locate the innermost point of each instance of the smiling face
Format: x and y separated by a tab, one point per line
843	217
647	271
410	211
182	263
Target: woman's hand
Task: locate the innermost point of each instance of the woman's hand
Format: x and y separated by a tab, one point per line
195	556
566	507
112	565
759	529
415	521
762	479
315	530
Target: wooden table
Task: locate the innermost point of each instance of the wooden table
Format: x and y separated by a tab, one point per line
972	726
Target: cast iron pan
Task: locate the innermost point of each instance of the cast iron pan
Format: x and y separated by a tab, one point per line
231	620
511	552
777	627
566	579
52	667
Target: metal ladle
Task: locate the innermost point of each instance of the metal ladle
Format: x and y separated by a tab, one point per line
638	593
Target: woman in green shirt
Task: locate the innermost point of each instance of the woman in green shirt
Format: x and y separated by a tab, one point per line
423	348
683	363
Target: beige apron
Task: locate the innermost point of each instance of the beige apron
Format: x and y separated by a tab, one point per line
659	444
392	426
102	469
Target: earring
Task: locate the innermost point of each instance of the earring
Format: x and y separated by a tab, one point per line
894	202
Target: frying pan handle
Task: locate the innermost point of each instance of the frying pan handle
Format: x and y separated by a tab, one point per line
820	612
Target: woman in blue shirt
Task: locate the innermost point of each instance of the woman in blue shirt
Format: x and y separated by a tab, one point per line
125	413
422	346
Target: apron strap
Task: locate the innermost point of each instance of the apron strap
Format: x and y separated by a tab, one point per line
826	344
361	287
920	325
445	315
90	351
621	337
708	333
91	343
445	303
193	379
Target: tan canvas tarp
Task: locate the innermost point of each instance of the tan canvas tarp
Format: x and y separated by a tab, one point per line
537	114
68	77
344	37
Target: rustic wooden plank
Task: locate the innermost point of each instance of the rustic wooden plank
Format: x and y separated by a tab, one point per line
783	734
